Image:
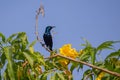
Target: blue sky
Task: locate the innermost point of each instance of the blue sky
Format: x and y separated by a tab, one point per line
95	20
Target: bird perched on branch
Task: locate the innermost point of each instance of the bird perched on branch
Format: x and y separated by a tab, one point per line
48	37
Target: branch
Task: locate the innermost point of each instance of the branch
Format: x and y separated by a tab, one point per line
40	11
85	63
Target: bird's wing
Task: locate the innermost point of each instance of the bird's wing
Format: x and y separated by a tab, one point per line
48	40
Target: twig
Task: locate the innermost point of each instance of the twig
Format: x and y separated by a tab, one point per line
85	63
40	11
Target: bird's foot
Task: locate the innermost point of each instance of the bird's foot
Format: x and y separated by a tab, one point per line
43	44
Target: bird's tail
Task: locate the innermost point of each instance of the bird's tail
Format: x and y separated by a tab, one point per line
51	49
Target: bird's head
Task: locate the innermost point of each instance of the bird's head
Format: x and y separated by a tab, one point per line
48	28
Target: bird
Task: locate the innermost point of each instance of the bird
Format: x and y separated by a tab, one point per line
48	37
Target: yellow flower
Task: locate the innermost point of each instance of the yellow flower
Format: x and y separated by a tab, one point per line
68	51
100	76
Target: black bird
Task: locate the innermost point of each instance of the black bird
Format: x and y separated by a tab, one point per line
48	37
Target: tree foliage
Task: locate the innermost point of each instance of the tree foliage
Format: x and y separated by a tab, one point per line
19	61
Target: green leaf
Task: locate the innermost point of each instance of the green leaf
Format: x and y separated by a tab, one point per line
44	76
61	76
18	55
11	37
89	53
74	65
3	37
19	40
39	58
84	56
117	69
23	38
99	63
31	49
33	43
5	76
87	44
49	65
3	58
106	45
113	54
21	35
8	54
34	57
87	75
29	58
93	55
110	63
